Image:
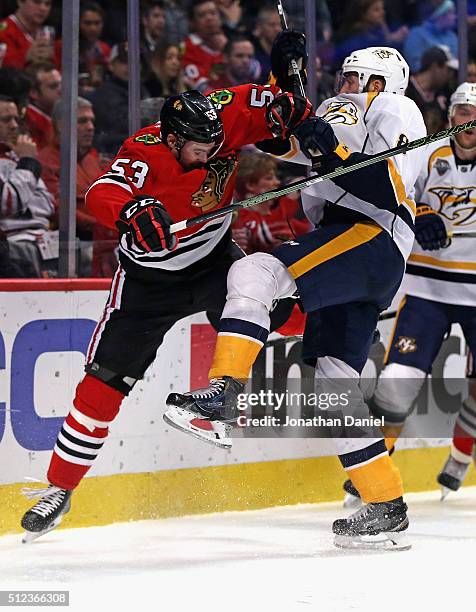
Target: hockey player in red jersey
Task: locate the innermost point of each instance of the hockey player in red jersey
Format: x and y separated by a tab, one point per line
176	169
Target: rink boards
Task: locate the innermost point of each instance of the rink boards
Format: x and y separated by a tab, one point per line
145	470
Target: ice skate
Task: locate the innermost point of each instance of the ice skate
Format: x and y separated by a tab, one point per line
207	414
352	497
377	526
46	514
452	476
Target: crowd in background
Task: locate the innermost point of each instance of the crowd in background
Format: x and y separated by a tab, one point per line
187	44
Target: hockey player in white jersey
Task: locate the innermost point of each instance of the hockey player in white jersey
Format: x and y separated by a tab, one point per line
439	286
346	272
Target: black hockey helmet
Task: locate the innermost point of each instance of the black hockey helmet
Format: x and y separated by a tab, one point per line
191	116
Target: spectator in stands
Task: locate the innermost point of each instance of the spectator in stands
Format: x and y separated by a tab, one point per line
45	92
110	102
267	28
240	65
266	226
324	83
471	77
231	14
15	84
436	31
149	110
153	24
176	22
89	167
297	17
166	78
399	12
203	57
115	25
8	269
429	87
364	25
152	38
28	40
93	52
26	206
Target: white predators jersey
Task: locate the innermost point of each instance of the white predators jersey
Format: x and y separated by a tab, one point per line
446	275
371	123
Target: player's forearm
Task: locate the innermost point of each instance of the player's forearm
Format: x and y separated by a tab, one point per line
105	202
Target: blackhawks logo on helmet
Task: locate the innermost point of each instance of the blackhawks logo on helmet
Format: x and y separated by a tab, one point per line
211	190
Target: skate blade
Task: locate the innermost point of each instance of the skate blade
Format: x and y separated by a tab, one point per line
445	491
183	420
383	541
31	536
352	501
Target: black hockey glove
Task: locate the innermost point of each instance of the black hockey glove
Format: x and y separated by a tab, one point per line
148	223
287	46
286	112
316	137
430	229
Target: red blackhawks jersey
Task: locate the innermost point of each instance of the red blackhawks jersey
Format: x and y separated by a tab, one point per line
144	165
39	124
201	64
18	42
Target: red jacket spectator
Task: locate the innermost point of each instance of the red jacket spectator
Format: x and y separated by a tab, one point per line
88	169
39	125
89	166
44	93
202	58
93	61
18	42
202	65
27	40
264	227
93	52
267	230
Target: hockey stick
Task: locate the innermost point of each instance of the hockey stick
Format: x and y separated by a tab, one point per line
313	179
293	63
462	234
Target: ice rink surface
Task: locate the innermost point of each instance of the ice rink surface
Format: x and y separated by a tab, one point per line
279	559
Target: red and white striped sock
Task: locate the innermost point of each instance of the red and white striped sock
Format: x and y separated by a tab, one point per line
75	450
84	432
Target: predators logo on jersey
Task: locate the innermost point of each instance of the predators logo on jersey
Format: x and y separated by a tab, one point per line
211	191
457	204
405	345
341	112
